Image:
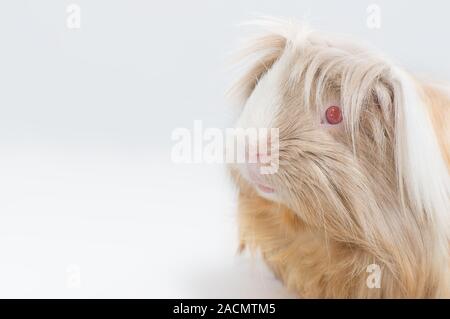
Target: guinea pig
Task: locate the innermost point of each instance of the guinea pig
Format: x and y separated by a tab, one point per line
362	187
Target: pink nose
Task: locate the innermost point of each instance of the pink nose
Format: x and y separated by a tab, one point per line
253	156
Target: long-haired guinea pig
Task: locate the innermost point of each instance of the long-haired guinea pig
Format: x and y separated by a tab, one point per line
359	205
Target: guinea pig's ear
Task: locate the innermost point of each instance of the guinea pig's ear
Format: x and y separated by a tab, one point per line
264	51
423	177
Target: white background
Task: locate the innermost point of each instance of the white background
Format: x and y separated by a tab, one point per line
90	203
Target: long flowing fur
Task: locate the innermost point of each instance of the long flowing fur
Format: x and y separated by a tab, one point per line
376	192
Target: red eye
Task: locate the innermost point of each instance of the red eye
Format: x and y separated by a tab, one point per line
334	115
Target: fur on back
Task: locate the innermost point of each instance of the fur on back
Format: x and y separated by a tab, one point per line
375	190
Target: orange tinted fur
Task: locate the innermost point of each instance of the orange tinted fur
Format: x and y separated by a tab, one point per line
310	265
301	257
356	213
438	102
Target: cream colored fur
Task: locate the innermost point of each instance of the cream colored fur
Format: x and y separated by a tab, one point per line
373	190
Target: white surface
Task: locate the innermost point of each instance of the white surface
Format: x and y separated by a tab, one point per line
127	223
87	188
